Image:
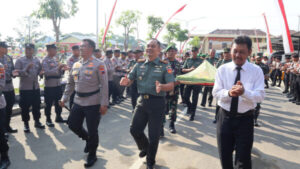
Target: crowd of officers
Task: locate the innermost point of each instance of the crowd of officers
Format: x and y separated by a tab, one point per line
112	67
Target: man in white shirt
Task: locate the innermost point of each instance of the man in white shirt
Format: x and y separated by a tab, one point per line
239	86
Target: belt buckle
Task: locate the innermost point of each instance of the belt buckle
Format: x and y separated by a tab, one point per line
146	96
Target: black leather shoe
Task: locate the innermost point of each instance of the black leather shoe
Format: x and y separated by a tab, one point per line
59	119
86	148
215	121
39	125
111	104
172	128
91	159
6	136
192	118
285	91
162	133
142	153
297	103
26	128
149	166
4	164
292	99
203	105
49	123
11	130
209	105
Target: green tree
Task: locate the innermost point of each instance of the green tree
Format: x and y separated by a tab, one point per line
28	30
56	10
173	29
195	42
10	41
155	24
109	36
127	20
182	35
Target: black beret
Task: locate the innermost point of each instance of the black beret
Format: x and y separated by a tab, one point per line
295	55
75	47
195	49
3	45
124	53
51	46
29	45
226	50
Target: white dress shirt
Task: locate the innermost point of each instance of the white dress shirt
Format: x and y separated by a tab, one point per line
252	78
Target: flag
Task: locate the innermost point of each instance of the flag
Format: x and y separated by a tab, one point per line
107	26
269	43
179	10
286	35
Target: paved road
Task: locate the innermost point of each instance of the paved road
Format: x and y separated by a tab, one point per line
277	141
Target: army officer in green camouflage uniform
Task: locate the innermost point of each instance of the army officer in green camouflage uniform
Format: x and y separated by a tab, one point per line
154	77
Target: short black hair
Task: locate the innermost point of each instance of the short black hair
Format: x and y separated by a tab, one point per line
90	42
75	47
243	40
295	55
96	50
157	41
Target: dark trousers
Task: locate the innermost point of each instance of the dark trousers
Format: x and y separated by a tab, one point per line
182	86
52	96
188	91
134	94
257	111
71	100
286	81
10	101
92	116
113	90
207	90
297	88
3	141
171	104
234	133
146	113
30	98
217	111
293	83
277	76
266	83
116	88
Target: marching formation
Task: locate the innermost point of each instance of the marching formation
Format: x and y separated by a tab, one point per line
148	76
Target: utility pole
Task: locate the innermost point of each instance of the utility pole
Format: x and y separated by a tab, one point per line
97	30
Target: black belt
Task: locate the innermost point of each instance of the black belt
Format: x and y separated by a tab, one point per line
52	77
8	81
149	96
87	94
248	113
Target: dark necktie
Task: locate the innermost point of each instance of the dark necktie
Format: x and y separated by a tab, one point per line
235	100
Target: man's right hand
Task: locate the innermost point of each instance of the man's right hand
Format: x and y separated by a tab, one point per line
30	65
124	81
61	103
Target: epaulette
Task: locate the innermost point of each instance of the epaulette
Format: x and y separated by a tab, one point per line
141	60
164	61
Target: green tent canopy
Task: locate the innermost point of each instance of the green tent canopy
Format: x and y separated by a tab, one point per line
204	75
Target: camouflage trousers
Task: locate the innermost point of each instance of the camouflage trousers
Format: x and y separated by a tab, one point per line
171	103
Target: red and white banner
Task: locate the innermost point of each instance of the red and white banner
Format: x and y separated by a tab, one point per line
286	35
269	43
179	10
107	26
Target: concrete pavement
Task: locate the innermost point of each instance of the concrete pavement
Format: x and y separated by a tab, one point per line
276	146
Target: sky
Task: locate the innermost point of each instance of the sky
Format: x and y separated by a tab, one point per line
205	15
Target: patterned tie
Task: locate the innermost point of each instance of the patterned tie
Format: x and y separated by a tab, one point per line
235	100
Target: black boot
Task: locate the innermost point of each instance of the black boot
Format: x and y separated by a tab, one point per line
26	127
172	127
49	122
4	163
39	125
91	159
59	119
11	130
